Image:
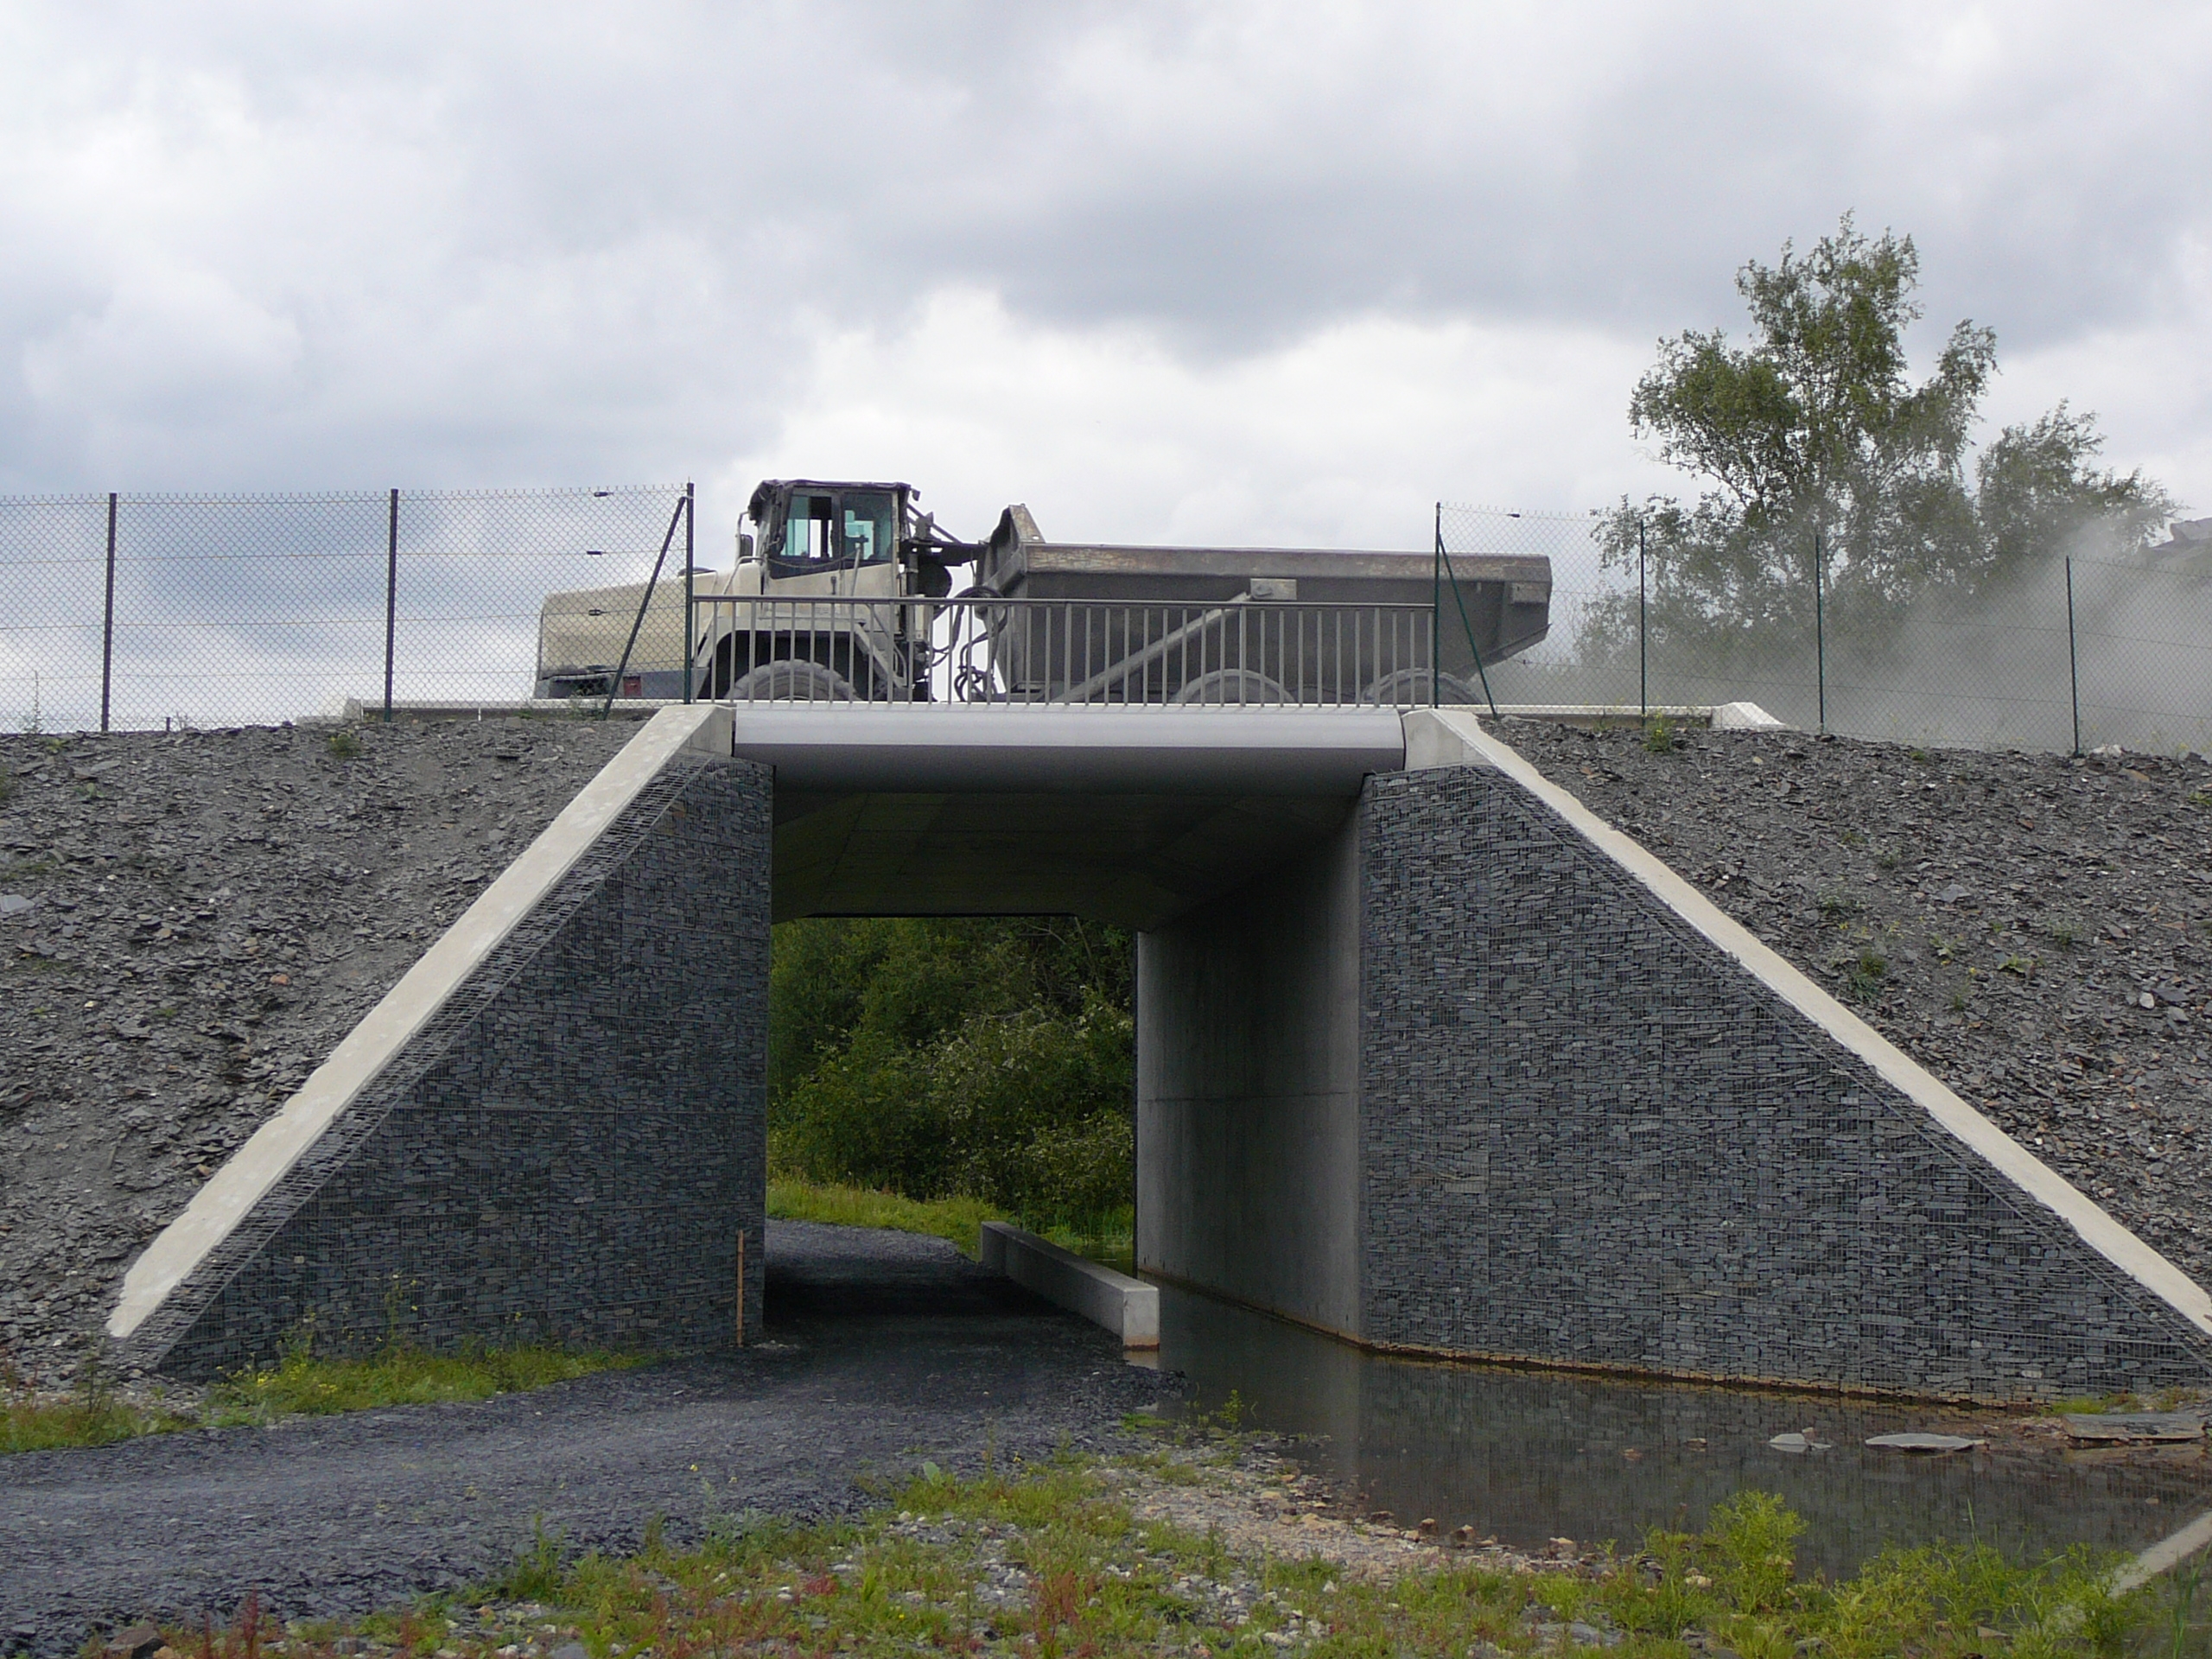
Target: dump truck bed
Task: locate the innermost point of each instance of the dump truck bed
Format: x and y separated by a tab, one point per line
1512	595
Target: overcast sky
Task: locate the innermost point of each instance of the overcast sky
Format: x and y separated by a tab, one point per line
1244	272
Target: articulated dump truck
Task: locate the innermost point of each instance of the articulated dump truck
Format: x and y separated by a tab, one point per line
844	592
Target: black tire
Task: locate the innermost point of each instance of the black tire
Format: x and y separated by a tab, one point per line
1408	687
790	680
1233	688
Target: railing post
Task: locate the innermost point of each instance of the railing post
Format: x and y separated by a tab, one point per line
390	597
107	622
2073	663
690	652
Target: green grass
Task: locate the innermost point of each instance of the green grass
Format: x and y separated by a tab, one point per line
961	1220
1108	1238
302	1384
91	1417
1050	1562
306	1385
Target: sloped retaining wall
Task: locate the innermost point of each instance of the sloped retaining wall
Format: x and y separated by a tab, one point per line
552	1128
1602	1125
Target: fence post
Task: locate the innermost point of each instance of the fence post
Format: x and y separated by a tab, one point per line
107	620
1642	665
390	598
1436	617
1819	632
691	507
2073	664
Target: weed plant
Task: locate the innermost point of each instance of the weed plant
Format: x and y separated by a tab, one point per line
1051	1562
91	1415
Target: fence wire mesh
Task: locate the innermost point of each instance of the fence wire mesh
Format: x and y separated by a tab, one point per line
143	611
137	611
2127	645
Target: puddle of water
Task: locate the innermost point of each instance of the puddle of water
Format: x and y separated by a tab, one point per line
1527	1457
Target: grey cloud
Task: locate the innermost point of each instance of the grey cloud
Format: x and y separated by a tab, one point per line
554	241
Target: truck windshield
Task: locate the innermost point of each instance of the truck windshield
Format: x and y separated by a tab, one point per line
871	526
808	542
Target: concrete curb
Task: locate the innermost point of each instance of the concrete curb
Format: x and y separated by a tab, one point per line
1720	716
1128	1307
231	1194
1452	737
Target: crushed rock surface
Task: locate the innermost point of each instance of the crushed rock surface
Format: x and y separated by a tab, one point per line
880	1351
2035	930
188	924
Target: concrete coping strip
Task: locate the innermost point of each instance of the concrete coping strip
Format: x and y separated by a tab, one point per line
1452	737
1128	1307
231	1193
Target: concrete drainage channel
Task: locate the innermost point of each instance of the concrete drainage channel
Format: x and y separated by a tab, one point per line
1128	1308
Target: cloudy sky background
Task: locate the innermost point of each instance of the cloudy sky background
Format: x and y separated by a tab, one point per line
1233	272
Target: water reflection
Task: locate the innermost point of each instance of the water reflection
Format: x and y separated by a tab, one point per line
1528	1456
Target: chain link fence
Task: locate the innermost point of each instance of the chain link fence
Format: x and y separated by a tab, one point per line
146	611
135	612
2074	655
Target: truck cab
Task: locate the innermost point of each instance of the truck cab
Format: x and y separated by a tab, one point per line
822	550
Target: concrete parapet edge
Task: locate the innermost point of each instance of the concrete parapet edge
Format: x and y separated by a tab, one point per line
233	1192
1128	1307
354	711
1452	737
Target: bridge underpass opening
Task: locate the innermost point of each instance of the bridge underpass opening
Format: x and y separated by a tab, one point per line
1428	1058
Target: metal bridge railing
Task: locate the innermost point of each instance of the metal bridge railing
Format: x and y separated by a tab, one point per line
987	652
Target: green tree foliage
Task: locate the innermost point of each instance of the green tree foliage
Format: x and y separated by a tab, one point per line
1814	428
993	1058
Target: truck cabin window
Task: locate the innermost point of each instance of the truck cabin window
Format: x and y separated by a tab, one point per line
809	542
871	528
818	536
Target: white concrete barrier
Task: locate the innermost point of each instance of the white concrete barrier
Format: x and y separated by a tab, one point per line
1128	1307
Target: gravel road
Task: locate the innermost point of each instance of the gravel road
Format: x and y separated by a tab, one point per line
188	924
2036	930
880	1350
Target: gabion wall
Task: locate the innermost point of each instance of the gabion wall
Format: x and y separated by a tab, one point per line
1590	1136
569	1152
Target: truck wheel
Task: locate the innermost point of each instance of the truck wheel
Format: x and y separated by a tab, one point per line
1408	689
1233	686
792	681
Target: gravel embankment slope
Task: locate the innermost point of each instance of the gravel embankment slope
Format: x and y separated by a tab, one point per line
2036	930
188	924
